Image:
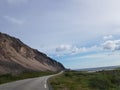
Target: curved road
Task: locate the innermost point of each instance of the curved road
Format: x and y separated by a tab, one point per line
39	83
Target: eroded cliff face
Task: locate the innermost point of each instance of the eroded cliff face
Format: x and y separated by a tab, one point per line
16	57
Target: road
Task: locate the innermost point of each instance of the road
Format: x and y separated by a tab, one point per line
39	83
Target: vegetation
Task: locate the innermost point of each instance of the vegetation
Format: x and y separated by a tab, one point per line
9	77
73	80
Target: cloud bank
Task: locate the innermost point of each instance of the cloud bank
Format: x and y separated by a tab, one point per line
111	45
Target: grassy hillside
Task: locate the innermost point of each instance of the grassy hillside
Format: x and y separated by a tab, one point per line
72	80
8	77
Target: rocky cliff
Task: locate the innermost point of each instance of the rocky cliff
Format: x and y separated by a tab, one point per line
17	57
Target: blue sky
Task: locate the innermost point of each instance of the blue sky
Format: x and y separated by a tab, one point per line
77	33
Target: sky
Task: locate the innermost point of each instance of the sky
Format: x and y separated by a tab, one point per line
77	33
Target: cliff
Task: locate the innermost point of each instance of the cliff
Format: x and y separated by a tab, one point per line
17	57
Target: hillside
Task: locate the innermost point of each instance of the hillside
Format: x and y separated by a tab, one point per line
17	57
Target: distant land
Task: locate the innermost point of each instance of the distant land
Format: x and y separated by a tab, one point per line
98	68
17	57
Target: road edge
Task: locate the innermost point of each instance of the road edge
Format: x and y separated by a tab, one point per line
48	80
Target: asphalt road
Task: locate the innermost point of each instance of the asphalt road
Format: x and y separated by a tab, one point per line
39	83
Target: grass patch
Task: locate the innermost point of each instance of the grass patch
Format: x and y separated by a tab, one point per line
9	77
73	80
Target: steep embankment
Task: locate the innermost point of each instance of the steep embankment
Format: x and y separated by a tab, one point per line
16	57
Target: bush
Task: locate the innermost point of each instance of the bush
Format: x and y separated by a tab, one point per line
100	82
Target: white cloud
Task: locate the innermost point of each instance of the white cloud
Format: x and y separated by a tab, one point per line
78	50
62	48
69	49
16	1
111	45
108	37
14	20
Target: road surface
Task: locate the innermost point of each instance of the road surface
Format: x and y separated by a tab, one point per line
39	83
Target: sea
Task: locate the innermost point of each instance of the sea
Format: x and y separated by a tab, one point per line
98	68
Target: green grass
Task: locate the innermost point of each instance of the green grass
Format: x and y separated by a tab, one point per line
9	77
72	80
